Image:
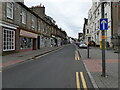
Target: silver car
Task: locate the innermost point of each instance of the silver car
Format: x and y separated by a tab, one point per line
82	45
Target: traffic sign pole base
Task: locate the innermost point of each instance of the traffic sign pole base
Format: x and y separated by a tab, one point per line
104	76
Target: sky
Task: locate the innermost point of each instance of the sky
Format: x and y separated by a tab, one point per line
68	14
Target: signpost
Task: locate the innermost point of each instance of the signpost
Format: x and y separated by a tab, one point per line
103	27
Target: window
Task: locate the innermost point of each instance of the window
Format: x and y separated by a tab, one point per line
33	23
48	29
8	40
98	12
10	10
98	24
26	43
95	26
105	15
87	31
39	26
23	17
42	27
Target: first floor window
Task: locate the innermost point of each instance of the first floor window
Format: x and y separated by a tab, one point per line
10	10
23	17
8	40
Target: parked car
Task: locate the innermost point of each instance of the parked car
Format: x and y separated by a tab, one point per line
82	45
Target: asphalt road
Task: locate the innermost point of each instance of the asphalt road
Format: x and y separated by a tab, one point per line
59	69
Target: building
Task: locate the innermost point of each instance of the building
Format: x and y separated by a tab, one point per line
85	30
93	30
115	24
80	36
22	29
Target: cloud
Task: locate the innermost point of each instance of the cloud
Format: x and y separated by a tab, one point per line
68	14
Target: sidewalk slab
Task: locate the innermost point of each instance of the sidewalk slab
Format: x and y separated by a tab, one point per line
94	67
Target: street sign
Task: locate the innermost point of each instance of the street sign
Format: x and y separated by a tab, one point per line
104	24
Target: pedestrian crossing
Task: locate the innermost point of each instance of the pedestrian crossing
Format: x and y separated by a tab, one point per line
80	81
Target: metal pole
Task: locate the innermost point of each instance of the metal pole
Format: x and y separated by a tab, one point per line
88	50
103	43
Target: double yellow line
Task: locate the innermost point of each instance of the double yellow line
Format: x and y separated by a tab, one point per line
78	81
77	57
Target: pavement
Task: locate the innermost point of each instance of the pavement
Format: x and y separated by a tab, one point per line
12	59
94	68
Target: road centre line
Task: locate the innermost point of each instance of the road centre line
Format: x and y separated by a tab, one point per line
83	81
77	81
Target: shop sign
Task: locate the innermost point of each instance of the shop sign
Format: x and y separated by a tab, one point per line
28	34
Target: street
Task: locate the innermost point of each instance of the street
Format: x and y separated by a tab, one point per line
58	69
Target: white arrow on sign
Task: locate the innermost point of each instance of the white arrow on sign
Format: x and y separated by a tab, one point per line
103	23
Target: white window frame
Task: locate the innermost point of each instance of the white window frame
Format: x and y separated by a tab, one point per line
8	7
12	41
23	17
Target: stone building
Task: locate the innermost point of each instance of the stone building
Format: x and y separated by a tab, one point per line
115	24
21	29
94	16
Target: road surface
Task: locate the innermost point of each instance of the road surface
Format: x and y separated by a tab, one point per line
60	69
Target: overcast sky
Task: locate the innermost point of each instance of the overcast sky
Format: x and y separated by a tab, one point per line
68	14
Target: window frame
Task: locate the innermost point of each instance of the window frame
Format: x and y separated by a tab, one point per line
12	41
33	22
8	16
24	16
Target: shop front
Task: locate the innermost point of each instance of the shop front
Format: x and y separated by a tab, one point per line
53	41
42	41
59	41
28	40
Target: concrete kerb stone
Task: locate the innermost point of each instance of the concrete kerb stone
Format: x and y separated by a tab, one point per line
90	76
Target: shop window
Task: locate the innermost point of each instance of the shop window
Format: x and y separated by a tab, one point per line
8	40
26	43
10	10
